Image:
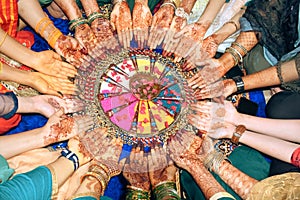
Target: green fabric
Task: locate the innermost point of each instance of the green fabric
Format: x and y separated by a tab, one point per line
244	158
33	185
5	171
92	198
255	61
45	2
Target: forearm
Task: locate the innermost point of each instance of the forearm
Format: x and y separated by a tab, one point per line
212	9
271	146
15	75
205	180
283	129
16	51
187	5
228	28
15	144
90	6
70	8
26	105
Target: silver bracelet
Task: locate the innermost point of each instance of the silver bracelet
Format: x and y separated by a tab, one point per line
168	3
180	12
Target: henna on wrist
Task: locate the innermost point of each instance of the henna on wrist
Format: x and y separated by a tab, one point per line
240	182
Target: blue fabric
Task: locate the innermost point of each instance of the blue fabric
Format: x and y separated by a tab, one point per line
257	96
33	185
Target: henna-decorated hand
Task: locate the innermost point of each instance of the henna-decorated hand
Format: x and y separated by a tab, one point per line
222	88
61	127
104	33
210	46
46	84
69	48
209	116
47	105
211	72
160	167
120	19
85	35
190	36
170	42
136	170
142	17
181	151
50	63
161	22
104	149
76	146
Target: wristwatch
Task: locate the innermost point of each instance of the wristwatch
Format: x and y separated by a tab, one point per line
240	129
180	12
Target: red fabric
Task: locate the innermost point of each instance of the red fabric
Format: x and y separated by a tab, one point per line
295	160
7	124
9	16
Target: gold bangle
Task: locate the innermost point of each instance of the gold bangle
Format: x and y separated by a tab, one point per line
240	129
37	26
220	195
233	54
241	47
232	22
99	178
3	39
44	28
54	37
1	67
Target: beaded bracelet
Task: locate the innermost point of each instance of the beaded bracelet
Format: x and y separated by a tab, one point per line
76	22
137	193
71	156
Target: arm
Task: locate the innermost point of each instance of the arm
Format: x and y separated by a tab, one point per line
212	9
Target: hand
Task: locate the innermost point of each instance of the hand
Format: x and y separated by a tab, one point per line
104	33
46	84
120	19
211	71
224	131
170	43
47	105
209	116
210	46
61	127
136	170
69	48
75	145
184	149
142	18
50	63
104	149
222	88
160	167
190	36
161	22
85	35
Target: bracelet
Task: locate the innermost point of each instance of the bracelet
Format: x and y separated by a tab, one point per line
54	37
3	39
239	83
76	22
168	3
41	32
94	16
1	67
295	159
166	189
234	56
101	170
220	195
232	22
180	12
213	161
43	20
241	47
137	193
71	156
114	2
99	178
240	129
236	52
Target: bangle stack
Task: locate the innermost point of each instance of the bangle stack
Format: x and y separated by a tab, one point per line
237	56
76	22
137	193
166	190
213	161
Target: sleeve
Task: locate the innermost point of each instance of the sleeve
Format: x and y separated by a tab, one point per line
33	185
8	104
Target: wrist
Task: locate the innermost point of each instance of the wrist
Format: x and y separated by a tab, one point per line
237	134
227	61
239	83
